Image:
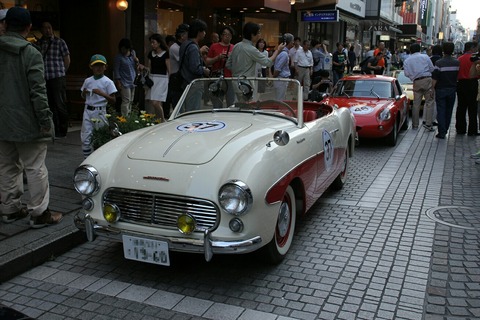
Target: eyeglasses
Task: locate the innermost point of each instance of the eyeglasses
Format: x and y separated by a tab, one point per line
226	34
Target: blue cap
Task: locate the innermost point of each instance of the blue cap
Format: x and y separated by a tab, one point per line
18	16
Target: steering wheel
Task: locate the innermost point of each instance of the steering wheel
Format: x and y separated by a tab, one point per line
275	103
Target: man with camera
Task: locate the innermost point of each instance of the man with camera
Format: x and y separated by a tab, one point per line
467	89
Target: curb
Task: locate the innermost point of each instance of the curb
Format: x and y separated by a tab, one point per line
51	242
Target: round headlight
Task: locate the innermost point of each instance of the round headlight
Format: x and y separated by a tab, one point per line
86	180
111	212
236	225
235	197
385	115
186	224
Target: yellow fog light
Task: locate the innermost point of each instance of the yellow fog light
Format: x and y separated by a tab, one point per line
186	223
111	213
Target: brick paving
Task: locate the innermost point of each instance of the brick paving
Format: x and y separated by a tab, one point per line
368	251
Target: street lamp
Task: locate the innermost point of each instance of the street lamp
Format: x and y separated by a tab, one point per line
122	5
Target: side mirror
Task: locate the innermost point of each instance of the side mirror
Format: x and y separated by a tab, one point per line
114	130
280	137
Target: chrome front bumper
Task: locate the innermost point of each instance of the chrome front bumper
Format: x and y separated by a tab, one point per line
208	246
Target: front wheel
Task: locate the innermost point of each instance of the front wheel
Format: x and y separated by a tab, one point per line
405	123
392	137
342	176
278	248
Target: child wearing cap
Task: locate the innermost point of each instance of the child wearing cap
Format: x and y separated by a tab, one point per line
98	91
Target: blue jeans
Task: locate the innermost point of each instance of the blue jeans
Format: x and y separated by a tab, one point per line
337	75
445	99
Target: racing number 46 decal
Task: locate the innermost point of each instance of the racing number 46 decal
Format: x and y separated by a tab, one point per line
328	150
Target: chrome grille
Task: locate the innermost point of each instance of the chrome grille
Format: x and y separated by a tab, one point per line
161	209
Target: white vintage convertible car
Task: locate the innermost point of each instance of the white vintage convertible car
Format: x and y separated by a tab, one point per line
217	177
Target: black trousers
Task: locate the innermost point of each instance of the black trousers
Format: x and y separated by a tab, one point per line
467	103
57	97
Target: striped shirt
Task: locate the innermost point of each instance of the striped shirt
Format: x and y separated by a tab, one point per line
53	50
446	72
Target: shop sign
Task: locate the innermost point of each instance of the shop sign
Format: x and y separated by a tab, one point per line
356	7
320	16
379	27
423	12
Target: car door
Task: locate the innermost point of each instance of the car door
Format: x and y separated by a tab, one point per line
326	138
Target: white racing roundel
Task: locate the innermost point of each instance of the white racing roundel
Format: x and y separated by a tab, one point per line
361	109
328	150
202	126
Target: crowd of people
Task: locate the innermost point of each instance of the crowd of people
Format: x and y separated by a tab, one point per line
36	97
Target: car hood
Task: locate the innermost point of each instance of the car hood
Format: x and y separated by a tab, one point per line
185	142
360	106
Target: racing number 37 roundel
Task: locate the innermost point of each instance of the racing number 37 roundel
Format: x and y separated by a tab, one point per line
204	126
328	150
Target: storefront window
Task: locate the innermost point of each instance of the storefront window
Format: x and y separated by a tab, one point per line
168	21
350	33
270	29
320	31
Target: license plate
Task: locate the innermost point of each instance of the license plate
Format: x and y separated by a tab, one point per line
146	250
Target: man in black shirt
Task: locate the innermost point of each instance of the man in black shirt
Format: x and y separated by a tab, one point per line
445	84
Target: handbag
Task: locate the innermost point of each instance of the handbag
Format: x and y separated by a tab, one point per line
142	79
148	81
176	80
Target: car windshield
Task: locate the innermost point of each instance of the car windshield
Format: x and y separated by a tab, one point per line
363	88
403	79
272	96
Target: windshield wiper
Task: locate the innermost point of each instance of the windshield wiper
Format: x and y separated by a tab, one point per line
374	93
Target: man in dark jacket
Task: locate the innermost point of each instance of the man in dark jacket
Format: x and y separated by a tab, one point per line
445	84
26	125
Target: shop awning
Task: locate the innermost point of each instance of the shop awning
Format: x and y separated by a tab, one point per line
395	29
349	20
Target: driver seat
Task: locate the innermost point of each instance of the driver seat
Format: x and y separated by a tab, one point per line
309	115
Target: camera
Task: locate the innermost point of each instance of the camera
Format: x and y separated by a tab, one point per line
474	57
284	39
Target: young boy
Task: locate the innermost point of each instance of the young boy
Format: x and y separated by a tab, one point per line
98	91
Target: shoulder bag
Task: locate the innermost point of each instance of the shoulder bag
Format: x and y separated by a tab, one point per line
176	80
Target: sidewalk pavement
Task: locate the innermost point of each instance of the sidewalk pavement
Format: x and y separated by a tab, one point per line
449	253
21	247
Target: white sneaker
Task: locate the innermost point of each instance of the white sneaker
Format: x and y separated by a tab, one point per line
428	128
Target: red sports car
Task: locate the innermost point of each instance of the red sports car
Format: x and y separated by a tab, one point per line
378	103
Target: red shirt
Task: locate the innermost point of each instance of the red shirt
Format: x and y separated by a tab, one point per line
380	62
465	65
216	49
